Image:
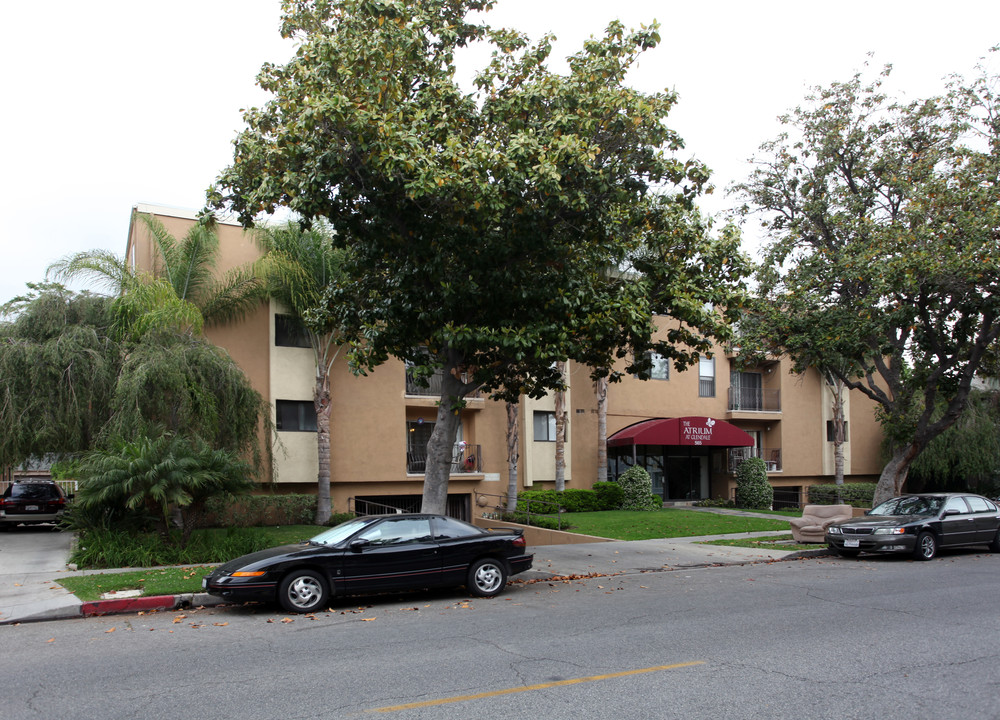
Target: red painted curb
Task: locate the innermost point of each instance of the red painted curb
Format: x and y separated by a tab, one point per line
125	605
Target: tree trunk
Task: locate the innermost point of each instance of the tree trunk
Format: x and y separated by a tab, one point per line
442	441
601	387
890	482
513	454
321	401
837	390
560	413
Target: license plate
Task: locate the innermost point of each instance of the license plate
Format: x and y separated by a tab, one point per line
31	508
852	542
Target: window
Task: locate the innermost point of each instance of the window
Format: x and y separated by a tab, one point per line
706	377
288	332
831	432
295	415
545	426
661	367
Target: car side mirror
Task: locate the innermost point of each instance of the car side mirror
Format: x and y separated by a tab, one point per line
357	546
951	511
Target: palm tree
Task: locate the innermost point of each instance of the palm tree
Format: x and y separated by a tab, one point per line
299	267
181	291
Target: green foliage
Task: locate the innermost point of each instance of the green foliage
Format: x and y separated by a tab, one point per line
854	494
610	495
71	384
753	491
966	456
542	521
254	510
881	265
637	490
155	478
715	502
108	548
540	218
668	523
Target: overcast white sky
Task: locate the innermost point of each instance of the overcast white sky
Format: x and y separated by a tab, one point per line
110	103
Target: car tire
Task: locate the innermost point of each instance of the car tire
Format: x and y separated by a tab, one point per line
487	577
303	591
995	543
926	547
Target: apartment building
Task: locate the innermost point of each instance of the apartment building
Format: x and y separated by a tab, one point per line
688	429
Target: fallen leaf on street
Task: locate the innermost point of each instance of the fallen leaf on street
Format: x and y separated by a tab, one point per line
110	630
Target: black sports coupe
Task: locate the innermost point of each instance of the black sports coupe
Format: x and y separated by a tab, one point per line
375	554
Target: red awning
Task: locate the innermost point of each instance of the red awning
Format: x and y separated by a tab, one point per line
682	431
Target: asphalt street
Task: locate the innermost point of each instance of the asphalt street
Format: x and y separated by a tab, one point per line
874	637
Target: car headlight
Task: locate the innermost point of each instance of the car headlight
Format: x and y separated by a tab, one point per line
890	531
834	530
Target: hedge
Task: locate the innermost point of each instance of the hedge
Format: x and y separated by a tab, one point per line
854	494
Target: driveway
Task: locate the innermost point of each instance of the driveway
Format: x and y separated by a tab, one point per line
30	557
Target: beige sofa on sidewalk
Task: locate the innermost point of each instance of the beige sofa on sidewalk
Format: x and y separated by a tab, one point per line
811	527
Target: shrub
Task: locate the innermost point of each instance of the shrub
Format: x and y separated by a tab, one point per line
637	490
610	495
99	548
255	510
753	491
714	502
854	494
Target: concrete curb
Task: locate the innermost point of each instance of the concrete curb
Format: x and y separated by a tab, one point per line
151	602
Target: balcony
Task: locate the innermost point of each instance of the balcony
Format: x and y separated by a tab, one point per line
465	458
754	400
771	457
433	389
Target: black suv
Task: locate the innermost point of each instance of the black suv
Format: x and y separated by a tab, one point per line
31	501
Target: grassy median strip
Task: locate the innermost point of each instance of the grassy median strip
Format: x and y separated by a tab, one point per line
769	542
154	581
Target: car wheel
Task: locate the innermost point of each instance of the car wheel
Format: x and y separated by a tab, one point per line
995	543
926	547
846	553
487	577
302	591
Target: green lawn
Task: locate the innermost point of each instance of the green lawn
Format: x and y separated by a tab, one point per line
155	581
666	523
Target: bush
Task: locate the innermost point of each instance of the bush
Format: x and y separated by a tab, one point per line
714	502
753	491
115	548
637	490
255	510
854	494
610	495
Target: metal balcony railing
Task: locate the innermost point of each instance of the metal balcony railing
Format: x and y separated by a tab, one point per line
433	388
465	458
754	400
770	456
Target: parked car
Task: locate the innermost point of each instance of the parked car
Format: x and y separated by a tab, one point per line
375	554
31	501
920	525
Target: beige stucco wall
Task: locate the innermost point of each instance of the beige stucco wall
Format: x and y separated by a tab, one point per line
369	414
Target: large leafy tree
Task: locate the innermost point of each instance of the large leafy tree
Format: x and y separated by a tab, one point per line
300	269
882	258
539	218
72	384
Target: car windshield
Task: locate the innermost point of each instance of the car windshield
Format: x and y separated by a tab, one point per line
909	505
339	533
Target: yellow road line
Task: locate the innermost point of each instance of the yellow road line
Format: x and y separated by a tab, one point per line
540	686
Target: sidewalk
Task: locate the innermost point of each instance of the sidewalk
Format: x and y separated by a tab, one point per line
34	596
